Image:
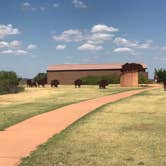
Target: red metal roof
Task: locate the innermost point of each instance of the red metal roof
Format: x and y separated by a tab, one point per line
87	66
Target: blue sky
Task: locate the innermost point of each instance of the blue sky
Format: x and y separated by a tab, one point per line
38	33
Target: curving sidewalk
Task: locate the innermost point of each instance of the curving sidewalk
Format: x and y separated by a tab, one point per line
19	140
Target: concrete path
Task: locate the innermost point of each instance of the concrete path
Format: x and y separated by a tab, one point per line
19	140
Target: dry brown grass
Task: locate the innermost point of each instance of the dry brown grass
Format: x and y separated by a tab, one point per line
130	132
15	108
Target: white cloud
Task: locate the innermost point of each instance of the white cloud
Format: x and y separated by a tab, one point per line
124	50
26	4
103	28
42	8
71	35
14	48
79	4
163	48
55	5
124	42
72	32
99	34
60	47
32	46
13	44
92	39
6	30
119	41
89	47
14	52
21	52
145	45
75	35
99	37
4	44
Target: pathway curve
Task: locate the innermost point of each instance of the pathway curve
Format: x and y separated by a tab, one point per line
19	140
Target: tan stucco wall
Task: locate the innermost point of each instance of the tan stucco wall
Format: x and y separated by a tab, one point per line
129	79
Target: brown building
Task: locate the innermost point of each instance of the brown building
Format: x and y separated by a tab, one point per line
68	73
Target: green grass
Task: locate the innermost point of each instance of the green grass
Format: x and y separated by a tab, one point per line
15	108
130	132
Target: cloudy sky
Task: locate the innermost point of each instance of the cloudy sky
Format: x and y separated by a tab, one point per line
38	33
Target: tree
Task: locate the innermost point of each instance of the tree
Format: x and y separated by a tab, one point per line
8	82
40	76
161	76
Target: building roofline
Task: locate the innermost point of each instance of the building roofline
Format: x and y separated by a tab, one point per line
83	67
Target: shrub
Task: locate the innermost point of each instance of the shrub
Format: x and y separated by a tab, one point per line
93	80
8	82
143	79
90	80
114	79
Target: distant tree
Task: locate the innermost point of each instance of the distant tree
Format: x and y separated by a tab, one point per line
8	82
161	76
40	76
41	79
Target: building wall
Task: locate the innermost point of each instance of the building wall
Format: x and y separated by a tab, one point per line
129	79
68	77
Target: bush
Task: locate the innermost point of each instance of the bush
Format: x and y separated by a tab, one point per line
93	80
8	82
143	79
90	80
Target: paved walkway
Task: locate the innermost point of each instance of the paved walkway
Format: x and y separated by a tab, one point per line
19	140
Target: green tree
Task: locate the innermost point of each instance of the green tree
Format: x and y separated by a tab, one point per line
40	76
8	82
161	76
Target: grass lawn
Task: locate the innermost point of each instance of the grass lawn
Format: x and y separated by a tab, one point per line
18	107
130	132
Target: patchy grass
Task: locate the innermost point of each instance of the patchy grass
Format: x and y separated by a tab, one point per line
130	132
15	108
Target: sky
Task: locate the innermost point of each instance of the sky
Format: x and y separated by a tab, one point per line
37	33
